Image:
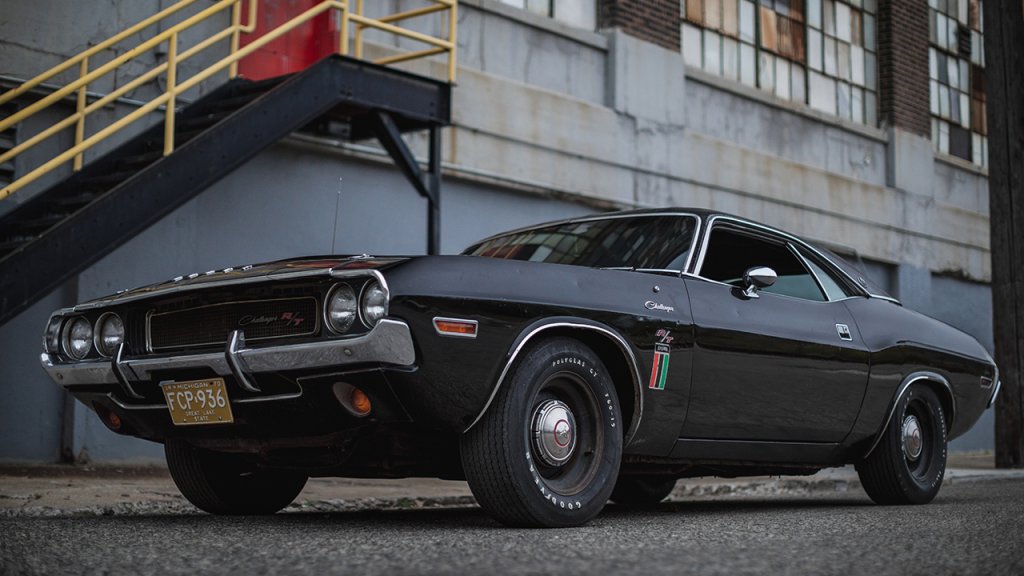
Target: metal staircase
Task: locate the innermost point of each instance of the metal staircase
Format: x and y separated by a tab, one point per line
63	229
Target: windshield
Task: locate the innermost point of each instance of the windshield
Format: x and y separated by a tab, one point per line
655	242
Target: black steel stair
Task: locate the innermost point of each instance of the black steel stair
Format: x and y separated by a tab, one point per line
66	228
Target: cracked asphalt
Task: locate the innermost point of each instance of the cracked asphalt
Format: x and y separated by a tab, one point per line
975	526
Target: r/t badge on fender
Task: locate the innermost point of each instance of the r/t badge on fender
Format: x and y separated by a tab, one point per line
662	351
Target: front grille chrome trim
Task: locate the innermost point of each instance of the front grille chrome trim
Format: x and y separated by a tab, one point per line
390	342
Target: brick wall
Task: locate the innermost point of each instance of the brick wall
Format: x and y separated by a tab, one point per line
655	21
903	65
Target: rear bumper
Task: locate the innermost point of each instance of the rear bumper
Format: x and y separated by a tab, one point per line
390	342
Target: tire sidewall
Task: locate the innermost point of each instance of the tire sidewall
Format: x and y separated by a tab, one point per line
549	359
921	489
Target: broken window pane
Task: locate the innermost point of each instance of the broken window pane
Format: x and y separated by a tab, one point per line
748	65
782	75
814	13
857	104
692	52
830	56
856	29
713	13
943	101
857	65
843	99
822	93
842	22
814	49
953	72
730	18
730	58
768	32
843	60
870	77
828	17
798	90
695	11
712	52
766	76
868	25
870	109
747	21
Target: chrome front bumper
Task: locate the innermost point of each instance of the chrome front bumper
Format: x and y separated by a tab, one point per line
389	342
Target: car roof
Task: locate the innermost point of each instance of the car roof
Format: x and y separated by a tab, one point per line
705	214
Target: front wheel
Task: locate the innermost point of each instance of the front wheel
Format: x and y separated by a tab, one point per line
547	452
909	462
227	484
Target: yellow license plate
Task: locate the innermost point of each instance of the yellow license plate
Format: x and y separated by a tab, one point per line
198	402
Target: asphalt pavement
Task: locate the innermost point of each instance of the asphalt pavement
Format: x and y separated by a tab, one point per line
815	525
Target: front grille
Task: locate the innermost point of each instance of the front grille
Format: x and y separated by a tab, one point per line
210	325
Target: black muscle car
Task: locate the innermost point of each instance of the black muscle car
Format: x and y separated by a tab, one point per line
552	367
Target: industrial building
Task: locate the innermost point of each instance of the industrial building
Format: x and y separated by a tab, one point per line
858	124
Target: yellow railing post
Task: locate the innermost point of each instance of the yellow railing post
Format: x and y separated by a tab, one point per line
83	69
453	20
172	79
359	30
236	29
343	33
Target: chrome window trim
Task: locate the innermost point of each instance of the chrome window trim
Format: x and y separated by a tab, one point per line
594	218
807	266
638	396
783	235
910	379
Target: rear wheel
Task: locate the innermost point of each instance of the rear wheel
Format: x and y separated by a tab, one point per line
221	483
547	452
642	491
909	462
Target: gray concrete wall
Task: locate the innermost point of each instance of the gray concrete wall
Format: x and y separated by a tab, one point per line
549	121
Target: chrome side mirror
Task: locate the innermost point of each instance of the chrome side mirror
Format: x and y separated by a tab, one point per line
757	278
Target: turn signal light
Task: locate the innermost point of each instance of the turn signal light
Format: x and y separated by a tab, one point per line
455	327
360	402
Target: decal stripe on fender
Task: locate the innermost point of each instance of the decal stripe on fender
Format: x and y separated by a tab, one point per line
660	370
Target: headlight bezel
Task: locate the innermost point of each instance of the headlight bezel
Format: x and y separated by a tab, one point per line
364	294
66	337
327	308
97	331
54	334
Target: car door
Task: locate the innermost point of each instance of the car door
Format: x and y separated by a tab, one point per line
788	365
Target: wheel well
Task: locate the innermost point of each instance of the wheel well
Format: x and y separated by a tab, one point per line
614	360
945	396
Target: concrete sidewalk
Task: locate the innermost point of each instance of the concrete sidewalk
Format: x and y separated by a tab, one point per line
59	490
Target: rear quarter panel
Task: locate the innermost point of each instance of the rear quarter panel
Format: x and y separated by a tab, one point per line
903	342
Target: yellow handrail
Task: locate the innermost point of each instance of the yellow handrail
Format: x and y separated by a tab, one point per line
175	86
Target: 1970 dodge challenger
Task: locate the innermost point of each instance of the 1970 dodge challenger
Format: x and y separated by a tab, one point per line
552	367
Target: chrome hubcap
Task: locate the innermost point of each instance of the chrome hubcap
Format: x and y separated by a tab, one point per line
554	432
912	441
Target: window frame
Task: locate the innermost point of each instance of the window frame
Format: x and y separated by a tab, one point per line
794	244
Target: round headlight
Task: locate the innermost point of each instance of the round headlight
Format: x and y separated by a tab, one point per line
375	303
342	308
78	338
110	334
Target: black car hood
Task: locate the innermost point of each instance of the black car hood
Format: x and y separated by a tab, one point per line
277	270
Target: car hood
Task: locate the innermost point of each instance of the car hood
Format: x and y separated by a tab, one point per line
277	270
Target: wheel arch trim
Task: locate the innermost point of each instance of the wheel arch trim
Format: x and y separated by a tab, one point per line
921	376
534	330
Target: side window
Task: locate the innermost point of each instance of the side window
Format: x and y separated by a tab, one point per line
731	253
833	288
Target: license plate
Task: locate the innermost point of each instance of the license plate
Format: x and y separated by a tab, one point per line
198	402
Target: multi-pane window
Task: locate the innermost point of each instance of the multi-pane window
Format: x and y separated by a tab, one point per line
579	13
956	67
817	52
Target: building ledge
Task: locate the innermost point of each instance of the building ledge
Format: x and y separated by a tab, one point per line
763	97
962	164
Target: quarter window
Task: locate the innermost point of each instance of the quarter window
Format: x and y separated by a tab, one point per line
731	253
